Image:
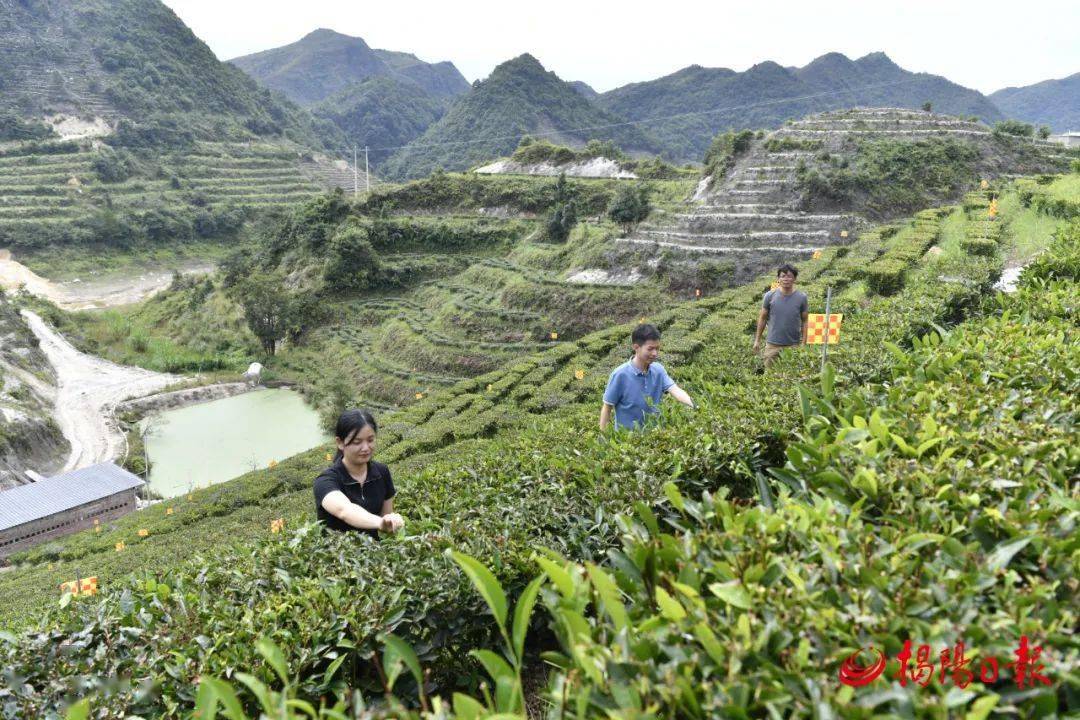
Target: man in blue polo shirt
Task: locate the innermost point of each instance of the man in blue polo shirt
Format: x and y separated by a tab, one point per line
636	387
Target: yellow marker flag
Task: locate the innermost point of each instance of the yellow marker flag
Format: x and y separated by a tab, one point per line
815	328
83	586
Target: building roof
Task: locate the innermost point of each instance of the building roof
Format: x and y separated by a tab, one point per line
41	499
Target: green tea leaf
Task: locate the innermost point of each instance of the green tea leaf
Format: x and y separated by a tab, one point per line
467	708
522	613
732	593
670	608
397	652
485	583
1004	552
274	657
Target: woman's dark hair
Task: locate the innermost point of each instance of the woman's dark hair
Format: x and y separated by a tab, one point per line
351	422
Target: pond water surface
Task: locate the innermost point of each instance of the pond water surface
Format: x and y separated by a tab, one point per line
215	441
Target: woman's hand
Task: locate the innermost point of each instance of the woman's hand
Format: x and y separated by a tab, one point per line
392	522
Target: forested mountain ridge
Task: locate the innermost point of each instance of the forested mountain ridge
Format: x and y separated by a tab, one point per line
325	62
768	94
1055	103
135	60
519	98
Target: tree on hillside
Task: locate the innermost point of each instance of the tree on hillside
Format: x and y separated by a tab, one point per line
630	206
352	263
1044	132
927	106
564	212
267	308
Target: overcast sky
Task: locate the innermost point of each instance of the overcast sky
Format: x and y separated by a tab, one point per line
982	44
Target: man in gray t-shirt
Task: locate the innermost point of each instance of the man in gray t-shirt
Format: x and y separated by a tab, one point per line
785	310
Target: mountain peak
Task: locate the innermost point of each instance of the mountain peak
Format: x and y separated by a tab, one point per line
877	60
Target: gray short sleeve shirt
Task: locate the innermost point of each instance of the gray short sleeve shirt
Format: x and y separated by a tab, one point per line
785	316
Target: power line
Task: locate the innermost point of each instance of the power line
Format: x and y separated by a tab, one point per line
661	118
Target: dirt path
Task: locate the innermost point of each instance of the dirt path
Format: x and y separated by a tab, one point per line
92	294
88	390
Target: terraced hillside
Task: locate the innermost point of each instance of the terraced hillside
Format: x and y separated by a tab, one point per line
542	478
770	208
459	280
62	193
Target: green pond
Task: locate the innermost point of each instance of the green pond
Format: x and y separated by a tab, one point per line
211	442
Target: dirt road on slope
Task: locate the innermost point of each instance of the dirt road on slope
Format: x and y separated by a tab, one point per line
103	292
88	390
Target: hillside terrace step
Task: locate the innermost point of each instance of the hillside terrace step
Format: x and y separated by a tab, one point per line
797	133
753	251
802	217
778	239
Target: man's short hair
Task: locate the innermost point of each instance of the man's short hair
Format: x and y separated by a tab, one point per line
643	334
787	268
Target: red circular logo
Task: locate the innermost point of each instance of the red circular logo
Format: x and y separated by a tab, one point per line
856	675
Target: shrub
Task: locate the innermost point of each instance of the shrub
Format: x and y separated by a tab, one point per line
1014	128
352	264
630	205
725	149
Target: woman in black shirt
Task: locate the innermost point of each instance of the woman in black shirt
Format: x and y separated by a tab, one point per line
356	493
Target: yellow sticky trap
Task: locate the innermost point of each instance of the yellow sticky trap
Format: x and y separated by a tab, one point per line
329	457
419	395
843	233
983	184
816	255
143	532
815	328
554	336
273	464
168	511
277	526
120	546
579	374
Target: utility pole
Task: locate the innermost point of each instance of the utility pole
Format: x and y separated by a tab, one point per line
367	172
355	180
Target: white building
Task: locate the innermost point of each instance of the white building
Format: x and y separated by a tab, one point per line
1069	139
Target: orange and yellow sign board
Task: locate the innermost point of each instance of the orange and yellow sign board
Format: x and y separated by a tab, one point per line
815	328
82	586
